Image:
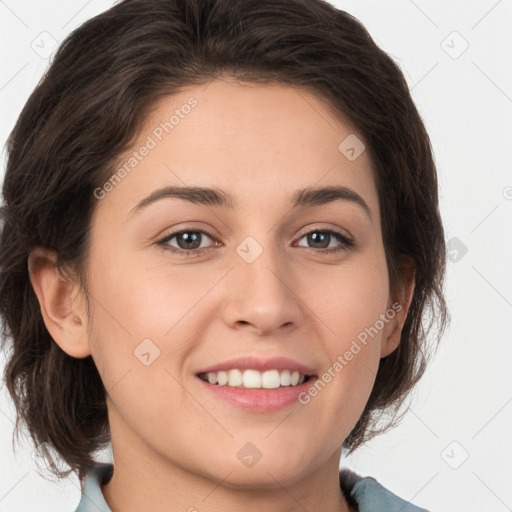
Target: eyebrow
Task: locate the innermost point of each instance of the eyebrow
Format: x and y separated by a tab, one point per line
218	197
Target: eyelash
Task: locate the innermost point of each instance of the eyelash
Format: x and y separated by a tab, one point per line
346	243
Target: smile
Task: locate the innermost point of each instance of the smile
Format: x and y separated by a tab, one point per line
254	379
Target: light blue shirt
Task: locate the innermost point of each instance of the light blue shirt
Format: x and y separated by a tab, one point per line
366	492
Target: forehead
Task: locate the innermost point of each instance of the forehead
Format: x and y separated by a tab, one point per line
254	141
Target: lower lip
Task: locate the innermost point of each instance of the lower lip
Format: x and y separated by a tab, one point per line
259	400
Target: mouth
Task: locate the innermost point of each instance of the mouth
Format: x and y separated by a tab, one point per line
257	385
255	379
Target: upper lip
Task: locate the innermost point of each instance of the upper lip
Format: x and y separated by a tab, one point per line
255	363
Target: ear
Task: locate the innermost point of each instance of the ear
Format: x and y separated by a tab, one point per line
62	308
393	329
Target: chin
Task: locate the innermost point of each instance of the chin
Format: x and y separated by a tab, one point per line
273	471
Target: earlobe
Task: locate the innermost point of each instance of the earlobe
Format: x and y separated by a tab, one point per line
393	333
62	311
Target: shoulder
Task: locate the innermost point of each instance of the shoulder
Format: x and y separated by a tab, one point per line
368	495
92	499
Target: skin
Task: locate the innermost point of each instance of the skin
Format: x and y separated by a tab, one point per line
175	447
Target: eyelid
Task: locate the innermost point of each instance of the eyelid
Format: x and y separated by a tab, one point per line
171	235
336	229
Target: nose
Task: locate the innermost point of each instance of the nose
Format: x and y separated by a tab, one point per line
262	296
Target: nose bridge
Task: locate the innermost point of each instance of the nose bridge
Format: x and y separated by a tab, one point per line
261	293
261	265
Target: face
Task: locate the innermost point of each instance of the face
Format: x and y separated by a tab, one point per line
249	284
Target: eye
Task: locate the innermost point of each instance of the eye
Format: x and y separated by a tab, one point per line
189	242
321	240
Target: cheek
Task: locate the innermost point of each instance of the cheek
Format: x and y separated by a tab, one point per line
349	300
351	306
146	322
141	301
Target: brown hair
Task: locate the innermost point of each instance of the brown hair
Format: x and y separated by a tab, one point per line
85	113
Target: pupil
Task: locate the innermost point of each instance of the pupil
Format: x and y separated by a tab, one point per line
323	237
189	239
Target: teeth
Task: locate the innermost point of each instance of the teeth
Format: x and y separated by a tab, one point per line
253	379
222	378
286	378
270	379
235	378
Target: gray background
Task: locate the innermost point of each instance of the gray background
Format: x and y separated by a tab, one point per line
453	449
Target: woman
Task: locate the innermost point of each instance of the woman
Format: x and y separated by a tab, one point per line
221	252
